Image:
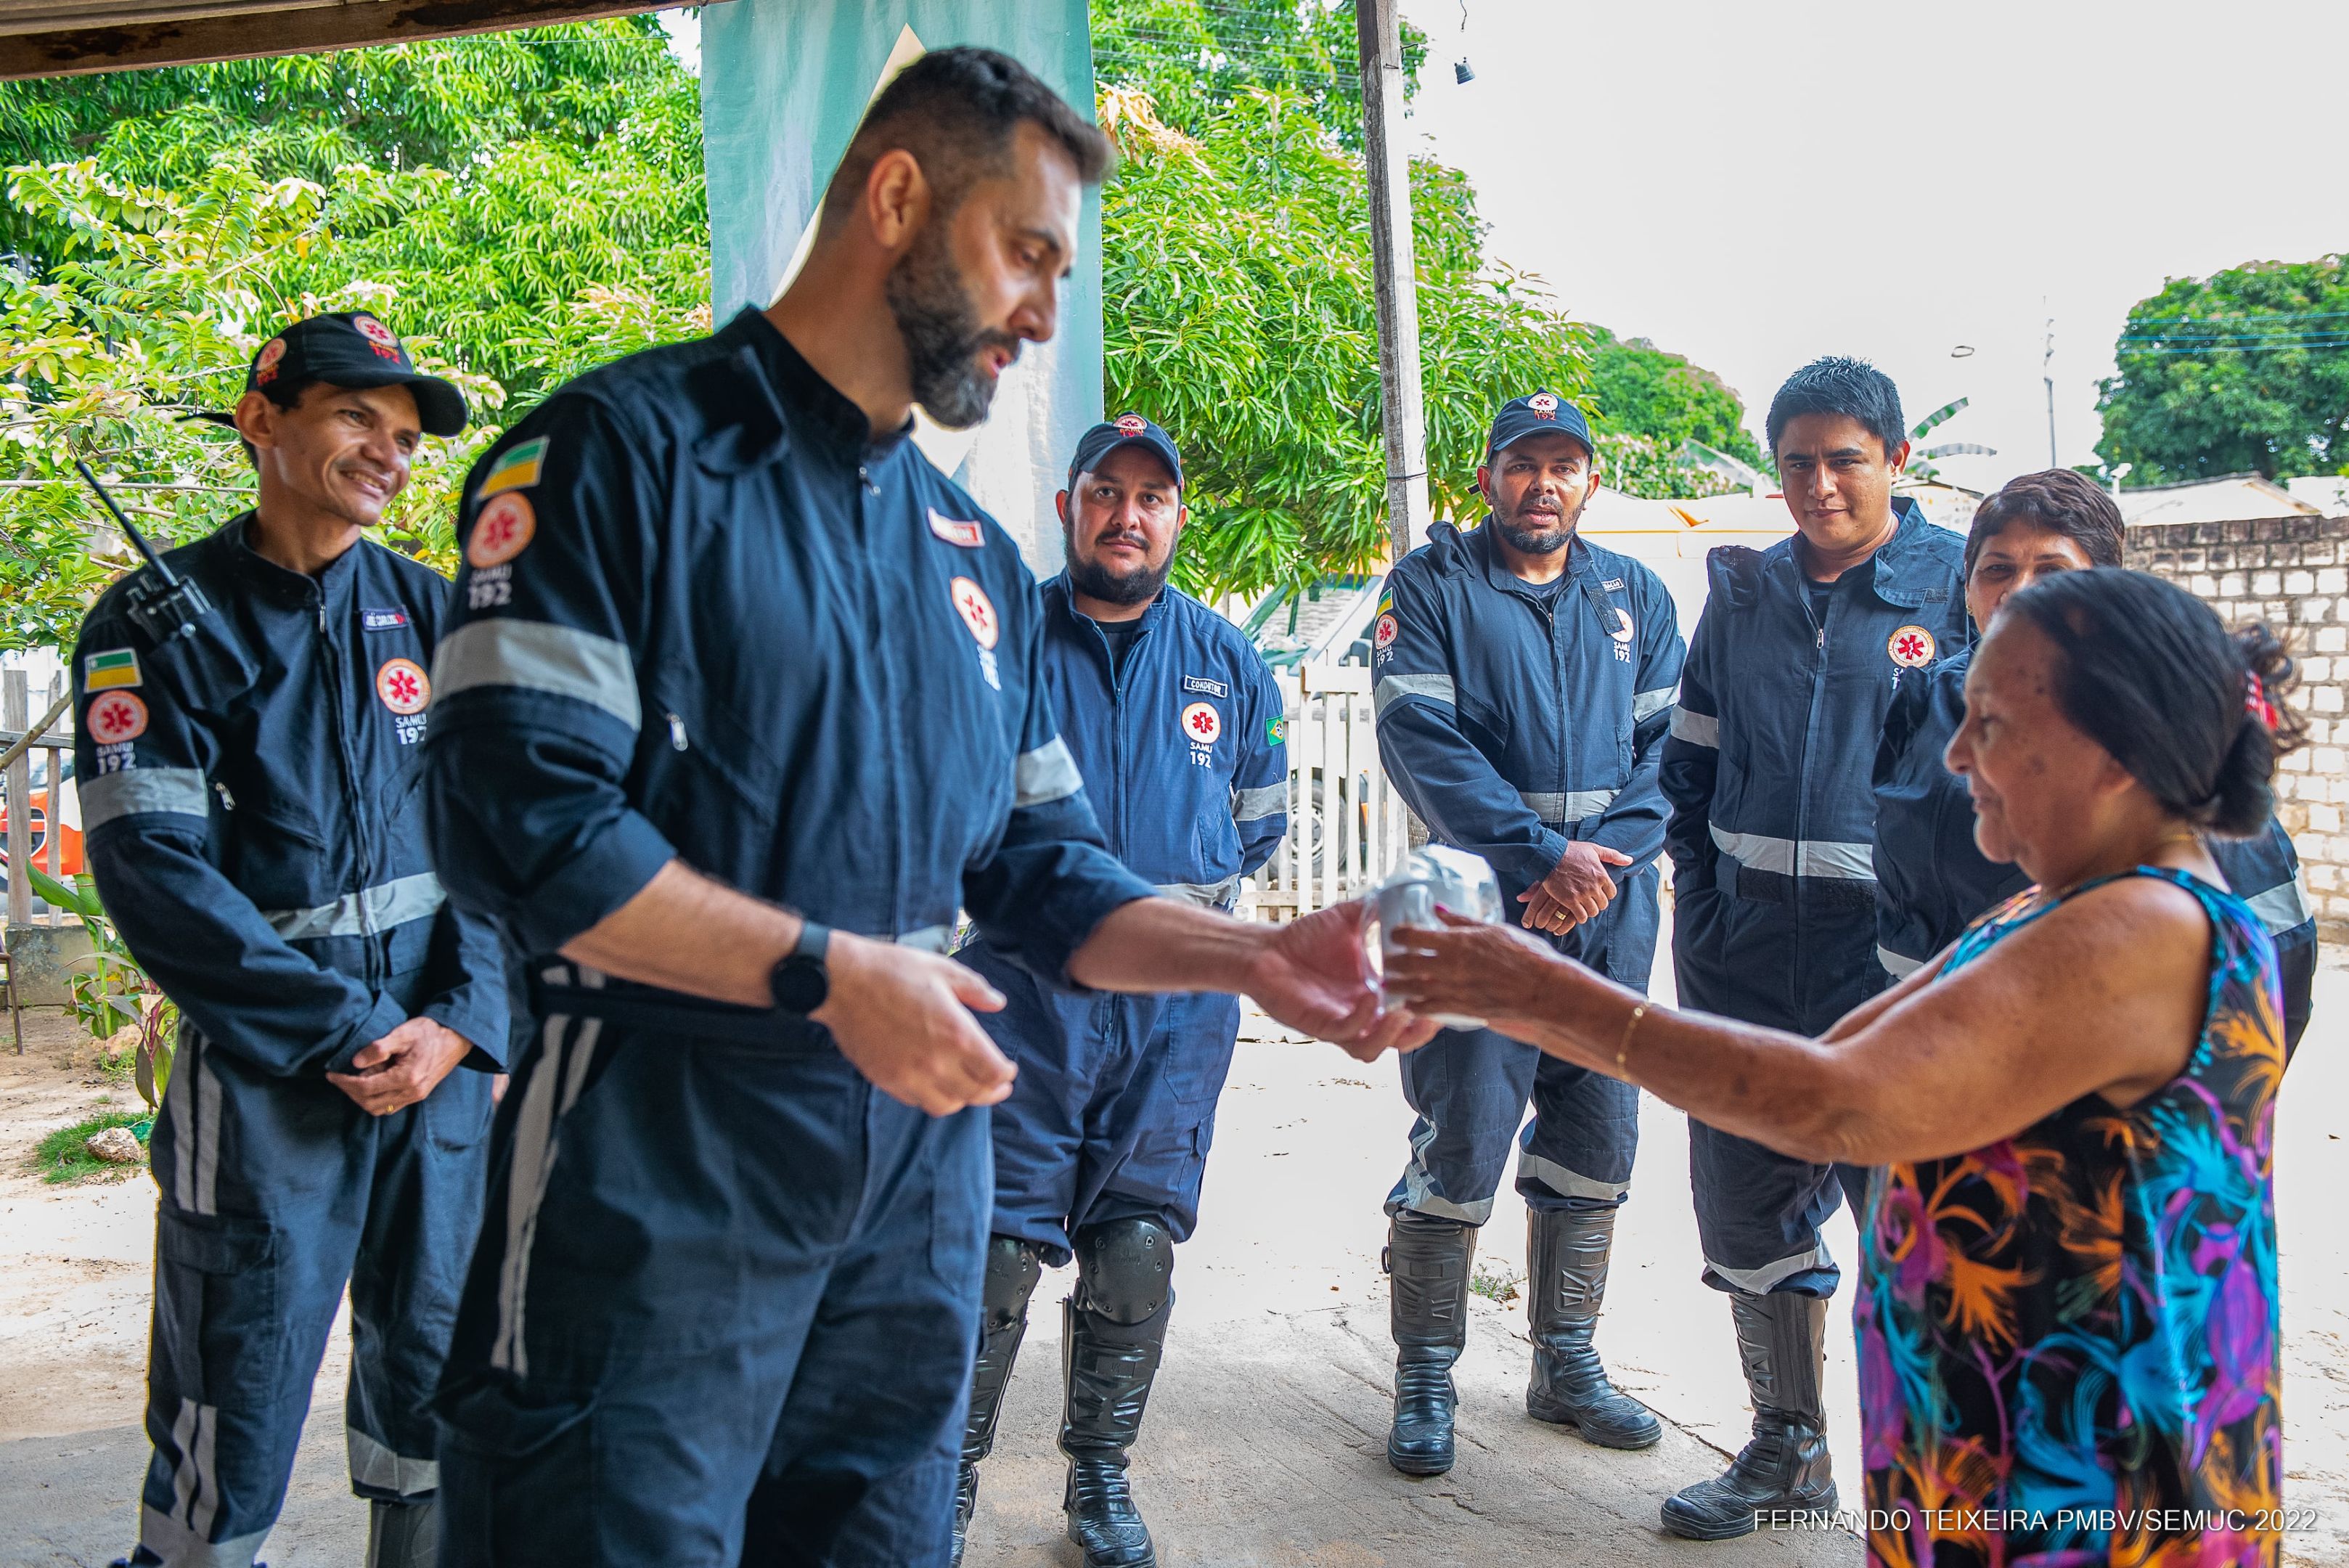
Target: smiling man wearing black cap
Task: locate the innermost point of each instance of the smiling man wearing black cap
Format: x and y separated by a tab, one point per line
247	791
1524	684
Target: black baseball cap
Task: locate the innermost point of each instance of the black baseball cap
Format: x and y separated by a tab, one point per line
1537	413
350	348
1126	429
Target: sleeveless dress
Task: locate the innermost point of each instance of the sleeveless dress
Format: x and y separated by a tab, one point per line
2068	1339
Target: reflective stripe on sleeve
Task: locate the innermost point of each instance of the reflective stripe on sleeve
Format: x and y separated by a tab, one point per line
1810	857
180	791
2281	907
1561	810
1897	965
539	656
1395	688
1256	804
1646	705
379	908
1696	728
1206	895
1045	774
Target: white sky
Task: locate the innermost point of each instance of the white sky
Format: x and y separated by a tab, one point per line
1752	185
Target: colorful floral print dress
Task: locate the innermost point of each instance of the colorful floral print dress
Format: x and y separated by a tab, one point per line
2068	1339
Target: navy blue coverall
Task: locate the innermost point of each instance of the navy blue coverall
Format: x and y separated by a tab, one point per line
1514	722
1932	881
727	1293
1182	755
250	796
1773	841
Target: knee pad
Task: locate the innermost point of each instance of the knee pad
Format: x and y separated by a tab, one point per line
1125	1269
1013	1267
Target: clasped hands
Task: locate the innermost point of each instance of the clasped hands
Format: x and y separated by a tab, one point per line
1578	888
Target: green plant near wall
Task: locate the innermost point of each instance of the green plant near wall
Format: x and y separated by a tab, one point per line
110	992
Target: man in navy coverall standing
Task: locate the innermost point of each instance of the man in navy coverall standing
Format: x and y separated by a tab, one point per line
249	793
1792	666
1524	683
745	700
1175	724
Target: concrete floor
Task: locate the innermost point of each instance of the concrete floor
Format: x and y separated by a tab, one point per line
1265	1440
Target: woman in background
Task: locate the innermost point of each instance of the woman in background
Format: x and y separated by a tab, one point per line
1930	879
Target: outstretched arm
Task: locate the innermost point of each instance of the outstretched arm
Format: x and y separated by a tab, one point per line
1921	1072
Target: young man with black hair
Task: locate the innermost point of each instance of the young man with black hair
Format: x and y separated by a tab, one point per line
1523	686
745	700
1175	724
1792	666
247	779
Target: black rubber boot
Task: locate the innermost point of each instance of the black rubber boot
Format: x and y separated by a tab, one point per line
1567	1251
1782	1340
1427	1266
403	1534
1111	1352
1012	1269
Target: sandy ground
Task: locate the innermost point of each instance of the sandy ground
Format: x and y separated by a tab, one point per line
1264	1440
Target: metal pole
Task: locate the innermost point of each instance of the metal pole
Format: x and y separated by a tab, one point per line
2047	369
1377	38
15	710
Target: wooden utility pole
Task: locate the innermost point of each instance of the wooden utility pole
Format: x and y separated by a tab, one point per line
1377	38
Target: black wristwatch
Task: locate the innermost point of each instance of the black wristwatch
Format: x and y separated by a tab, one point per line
800	983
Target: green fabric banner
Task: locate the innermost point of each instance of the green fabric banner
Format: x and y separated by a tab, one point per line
784	85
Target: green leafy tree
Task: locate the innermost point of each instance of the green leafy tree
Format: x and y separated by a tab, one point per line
1642	390
1255	336
2244	371
211	205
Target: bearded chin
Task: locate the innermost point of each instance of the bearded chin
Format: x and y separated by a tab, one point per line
1138	586
942	339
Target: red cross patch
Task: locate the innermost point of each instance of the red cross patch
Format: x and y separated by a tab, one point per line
117	716
403	686
501	532
977	611
1388	630
1132	424
264	369
1911	647
1202	723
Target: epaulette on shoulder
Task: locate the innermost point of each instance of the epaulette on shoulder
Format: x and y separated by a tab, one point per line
1734	571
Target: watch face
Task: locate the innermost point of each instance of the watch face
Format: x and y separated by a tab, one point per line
799	985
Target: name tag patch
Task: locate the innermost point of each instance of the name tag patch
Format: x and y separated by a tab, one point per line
966	531
1200	683
382	619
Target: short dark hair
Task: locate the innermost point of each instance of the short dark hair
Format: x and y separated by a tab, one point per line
2148	672
955	110
2058	500
1837	385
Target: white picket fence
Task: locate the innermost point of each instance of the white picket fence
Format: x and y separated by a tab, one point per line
1347	827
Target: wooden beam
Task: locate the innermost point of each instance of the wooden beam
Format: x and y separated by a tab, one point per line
133	40
1378	37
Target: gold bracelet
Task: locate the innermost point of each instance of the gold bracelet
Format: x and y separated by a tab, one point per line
1623	1049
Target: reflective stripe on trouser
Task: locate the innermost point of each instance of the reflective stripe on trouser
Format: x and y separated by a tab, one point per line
736	1287
1758	1214
275	1192
1470	1089
1113	1111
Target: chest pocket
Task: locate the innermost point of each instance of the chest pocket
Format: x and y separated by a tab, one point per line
715	789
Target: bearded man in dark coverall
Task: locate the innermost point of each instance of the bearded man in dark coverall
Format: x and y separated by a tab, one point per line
745	702
248	787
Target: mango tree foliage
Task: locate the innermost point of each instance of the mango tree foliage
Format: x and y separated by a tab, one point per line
1237	290
2246	372
570	229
